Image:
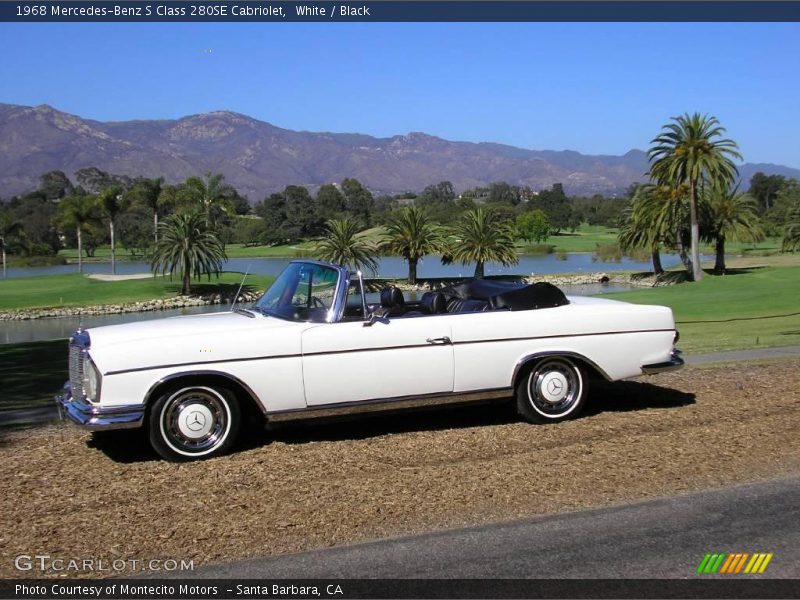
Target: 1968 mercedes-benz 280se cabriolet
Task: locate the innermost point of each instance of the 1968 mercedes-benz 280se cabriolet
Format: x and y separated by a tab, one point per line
313	345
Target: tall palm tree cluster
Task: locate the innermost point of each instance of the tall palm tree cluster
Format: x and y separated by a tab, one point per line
186	242
691	196
478	237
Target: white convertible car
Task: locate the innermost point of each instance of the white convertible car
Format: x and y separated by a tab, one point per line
313	345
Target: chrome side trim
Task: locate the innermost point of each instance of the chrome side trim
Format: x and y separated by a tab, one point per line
228	376
674	362
526	359
389	404
381	348
97	418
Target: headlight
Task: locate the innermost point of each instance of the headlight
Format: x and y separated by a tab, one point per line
91	379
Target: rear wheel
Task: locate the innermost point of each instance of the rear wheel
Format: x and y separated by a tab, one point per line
194	422
552	390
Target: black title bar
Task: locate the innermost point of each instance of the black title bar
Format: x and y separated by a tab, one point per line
345	589
401	11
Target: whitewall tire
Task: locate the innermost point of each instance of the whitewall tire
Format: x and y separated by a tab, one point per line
552	389
193	423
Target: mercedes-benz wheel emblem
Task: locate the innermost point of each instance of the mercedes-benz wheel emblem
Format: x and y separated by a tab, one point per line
555	386
196	421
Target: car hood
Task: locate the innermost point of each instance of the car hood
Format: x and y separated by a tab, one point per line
172	328
192	340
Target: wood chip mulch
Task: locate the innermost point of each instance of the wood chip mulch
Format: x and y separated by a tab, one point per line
66	494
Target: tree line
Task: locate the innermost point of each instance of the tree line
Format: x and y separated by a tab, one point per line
100	208
690	197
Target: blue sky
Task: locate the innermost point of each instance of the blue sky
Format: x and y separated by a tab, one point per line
592	87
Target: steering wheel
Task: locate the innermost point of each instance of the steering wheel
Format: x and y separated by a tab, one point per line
317	303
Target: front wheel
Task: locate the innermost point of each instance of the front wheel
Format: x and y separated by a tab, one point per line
194	422
554	389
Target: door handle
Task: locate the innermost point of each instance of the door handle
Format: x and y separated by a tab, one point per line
440	340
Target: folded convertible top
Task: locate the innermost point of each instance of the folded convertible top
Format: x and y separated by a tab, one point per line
508	295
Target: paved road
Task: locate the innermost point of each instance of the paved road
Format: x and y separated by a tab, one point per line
663	538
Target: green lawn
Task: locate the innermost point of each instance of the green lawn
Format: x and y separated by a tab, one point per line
78	290
584	239
587	237
748	308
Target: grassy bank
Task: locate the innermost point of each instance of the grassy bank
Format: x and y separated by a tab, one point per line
747	308
56	291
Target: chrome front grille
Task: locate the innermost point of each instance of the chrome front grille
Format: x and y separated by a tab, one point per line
76	370
78	344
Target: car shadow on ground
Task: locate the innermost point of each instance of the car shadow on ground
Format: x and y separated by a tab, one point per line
603	397
132	445
124	445
624	396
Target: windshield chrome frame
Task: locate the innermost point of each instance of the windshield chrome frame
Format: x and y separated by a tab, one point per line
363	293
336	311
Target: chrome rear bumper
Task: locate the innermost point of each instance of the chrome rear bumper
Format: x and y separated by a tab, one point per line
97	418
675	362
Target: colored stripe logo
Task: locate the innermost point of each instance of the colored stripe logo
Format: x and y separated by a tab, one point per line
734	563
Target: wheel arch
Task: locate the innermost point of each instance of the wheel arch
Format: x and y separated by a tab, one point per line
589	366
244	394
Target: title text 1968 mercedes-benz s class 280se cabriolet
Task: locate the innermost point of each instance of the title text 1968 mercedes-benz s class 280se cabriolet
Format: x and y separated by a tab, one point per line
314	345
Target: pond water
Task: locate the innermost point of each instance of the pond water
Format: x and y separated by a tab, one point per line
389	266
36	330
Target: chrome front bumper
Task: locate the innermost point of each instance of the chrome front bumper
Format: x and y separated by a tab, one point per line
675	362
97	418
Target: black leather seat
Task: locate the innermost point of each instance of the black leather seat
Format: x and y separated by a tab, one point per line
392	301
433	303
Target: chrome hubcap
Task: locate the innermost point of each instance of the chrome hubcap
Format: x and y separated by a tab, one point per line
195	420
554	387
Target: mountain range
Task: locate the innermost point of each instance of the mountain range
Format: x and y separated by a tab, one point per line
259	158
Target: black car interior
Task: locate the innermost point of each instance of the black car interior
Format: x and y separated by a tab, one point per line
474	295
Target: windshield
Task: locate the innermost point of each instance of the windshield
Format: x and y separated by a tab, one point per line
302	292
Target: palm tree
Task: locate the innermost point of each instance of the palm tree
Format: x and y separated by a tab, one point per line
185	244
791	237
147	192
211	195
636	231
688	152
78	212
481	237
8	227
730	215
633	233
342	245
412	235
657	215
110	201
